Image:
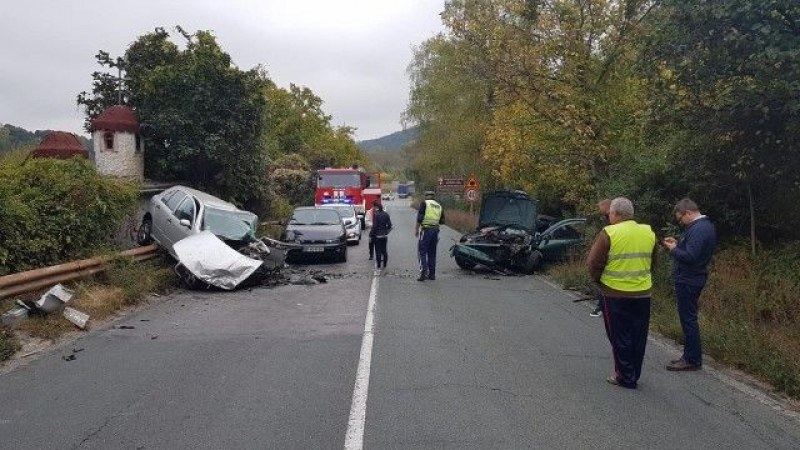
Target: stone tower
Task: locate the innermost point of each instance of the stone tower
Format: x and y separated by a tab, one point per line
118	148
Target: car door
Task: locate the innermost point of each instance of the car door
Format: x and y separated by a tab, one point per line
186	210
562	239
162	213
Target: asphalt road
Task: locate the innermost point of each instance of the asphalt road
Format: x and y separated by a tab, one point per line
469	361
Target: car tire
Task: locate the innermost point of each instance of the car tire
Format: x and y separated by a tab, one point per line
464	263
533	261
144	235
343	256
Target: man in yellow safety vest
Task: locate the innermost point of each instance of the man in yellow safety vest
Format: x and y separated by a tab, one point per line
620	262
429	217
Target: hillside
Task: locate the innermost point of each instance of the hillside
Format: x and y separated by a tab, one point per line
391	142
12	137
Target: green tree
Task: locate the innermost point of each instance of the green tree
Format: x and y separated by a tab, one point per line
201	115
727	73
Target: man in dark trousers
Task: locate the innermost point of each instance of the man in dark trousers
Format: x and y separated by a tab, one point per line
379	234
691	255
620	262
429	217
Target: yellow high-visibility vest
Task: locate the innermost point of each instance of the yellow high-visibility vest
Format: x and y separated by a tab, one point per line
630	257
433	214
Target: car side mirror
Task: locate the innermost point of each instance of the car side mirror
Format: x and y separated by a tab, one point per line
185	223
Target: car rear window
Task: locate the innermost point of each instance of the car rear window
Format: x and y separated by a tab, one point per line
315	217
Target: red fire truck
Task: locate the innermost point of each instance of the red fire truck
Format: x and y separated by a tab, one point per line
351	186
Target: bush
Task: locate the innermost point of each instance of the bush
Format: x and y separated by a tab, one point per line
52	211
8	344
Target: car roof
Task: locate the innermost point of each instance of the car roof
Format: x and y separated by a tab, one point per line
207	199
307	208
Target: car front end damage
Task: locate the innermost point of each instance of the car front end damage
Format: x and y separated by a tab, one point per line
499	249
506	238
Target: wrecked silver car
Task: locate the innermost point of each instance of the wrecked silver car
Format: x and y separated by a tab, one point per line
506	236
214	242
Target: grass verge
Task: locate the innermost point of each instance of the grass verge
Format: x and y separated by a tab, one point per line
749	315
125	283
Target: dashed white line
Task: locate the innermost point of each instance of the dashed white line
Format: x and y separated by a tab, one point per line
354	439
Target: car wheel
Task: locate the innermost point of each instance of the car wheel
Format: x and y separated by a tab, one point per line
532	262
464	263
343	256
144	233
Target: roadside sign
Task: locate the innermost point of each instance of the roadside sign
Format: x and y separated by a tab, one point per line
472	182
471	195
451	184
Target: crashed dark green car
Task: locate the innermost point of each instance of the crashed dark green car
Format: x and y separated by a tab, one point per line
512	237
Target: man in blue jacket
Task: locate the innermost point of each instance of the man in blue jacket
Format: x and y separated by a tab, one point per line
691	254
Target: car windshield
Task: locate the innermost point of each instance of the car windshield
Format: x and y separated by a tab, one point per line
230	225
316	217
509	210
339	180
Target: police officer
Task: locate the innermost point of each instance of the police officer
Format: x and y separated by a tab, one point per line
620	262
429	217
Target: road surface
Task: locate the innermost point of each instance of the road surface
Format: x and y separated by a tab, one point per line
469	361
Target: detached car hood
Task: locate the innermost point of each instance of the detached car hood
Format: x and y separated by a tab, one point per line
214	262
513	209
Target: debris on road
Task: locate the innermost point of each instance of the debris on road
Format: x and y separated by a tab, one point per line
11	318
126	327
79	319
55	299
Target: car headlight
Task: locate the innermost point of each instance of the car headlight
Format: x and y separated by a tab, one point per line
332	241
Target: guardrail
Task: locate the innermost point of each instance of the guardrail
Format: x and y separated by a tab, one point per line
37	279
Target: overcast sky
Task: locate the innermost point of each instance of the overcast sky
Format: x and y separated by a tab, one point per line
352	53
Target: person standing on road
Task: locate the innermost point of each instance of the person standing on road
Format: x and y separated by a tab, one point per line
429	217
691	255
620	262
602	206
379	234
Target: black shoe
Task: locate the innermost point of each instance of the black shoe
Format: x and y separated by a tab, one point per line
370	257
431	277
422	277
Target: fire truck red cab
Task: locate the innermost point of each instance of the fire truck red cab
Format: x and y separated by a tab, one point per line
350	186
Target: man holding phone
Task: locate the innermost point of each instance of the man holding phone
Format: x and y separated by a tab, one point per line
691	255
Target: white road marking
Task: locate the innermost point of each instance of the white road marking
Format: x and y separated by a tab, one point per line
354	440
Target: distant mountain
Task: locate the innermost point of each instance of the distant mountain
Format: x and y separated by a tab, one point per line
12	137
391	142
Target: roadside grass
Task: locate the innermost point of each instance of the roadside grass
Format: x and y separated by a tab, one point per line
8	344
749	315
457	219
125	283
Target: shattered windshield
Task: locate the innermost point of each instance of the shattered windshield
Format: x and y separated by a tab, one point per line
315	217
509	210
230	225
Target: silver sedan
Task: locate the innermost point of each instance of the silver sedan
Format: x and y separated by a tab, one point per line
179	212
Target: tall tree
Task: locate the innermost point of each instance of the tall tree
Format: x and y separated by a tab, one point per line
727	73
201	115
